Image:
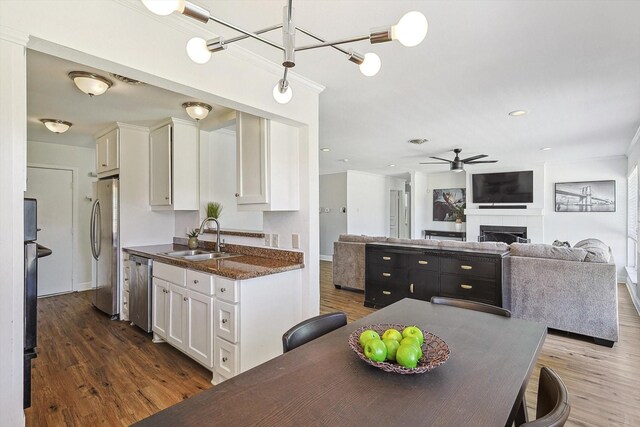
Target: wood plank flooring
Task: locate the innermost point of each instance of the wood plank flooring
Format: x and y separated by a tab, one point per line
94	371
603	383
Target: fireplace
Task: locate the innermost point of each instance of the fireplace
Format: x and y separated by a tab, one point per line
500	233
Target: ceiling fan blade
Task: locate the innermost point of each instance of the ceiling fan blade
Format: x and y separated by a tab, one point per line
481	161
479	156
440	158
433	163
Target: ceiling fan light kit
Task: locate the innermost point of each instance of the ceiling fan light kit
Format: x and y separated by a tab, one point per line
90	83
409	31
457	164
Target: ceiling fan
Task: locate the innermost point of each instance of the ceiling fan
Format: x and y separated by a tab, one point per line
457	165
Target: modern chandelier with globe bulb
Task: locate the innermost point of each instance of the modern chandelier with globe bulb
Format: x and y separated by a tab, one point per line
409	31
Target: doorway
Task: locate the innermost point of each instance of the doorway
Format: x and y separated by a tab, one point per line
53	189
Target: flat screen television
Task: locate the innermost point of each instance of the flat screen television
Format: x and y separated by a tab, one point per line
505	187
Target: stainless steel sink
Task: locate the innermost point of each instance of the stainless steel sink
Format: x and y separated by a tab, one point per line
198	255
180	254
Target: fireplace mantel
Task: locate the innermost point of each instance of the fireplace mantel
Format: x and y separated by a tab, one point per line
505	212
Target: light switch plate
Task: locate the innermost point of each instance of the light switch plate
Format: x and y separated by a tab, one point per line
295	241
274	240
267	239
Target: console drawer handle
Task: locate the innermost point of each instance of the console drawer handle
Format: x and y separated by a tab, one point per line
386	292
386	258
411	288
466	267
386	274
466	286
423	262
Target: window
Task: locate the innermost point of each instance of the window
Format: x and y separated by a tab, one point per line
632	217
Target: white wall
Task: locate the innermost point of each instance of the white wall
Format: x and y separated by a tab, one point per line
419	204
610	227
83	160
367	204
333	196
438	181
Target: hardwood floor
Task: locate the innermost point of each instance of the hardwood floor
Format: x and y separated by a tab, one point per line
603	383
94	371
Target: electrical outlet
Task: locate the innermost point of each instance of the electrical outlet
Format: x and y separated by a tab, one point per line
267	239
274	240
295	241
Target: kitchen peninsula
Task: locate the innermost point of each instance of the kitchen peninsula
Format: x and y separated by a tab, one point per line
228	314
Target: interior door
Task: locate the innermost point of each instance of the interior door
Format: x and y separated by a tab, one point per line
53	188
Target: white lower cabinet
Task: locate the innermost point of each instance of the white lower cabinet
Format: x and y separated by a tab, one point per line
228	326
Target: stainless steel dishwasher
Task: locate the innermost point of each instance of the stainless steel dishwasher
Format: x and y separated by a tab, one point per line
140	287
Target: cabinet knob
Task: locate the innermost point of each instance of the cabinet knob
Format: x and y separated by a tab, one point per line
386	274
237	194
466	286
224	359
166	198
225	320
466	267
386	292
195	281
104	165
185	298
223	289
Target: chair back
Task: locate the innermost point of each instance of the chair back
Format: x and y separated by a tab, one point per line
311	329
471	305
552	407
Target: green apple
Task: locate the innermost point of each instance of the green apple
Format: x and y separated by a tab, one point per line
367	335
392	346
393	334
375	350
413	331
407	355
414	342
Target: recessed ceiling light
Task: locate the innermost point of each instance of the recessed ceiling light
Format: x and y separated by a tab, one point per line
391	166
325	149
517	113
345	160
545	149
418	141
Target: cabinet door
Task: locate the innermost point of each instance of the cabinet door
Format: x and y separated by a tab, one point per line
200	328
159	306
423	284
107	157
177	319
160	167
251	157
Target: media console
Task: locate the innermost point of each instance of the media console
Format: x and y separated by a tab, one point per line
394	272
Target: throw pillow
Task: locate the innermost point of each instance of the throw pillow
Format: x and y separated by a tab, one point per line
547	251
559	243
597	251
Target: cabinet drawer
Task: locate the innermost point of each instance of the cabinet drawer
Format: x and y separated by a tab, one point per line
200	282
226	321
424	262
486	269
226	358
384	274
381	294
227	290
466	287
387	258
169	273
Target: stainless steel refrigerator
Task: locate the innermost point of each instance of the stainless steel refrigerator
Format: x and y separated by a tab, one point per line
105	246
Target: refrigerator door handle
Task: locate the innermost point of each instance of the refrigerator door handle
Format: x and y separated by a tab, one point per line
95	241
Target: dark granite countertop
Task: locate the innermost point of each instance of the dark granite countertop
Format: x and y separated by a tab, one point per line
245	266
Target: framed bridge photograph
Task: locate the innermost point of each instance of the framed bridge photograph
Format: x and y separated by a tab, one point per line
586	196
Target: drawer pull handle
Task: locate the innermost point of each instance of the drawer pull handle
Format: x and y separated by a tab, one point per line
411	288
423	262
466	267
386	292
195	281
224	320
386	274
223	290
386	258
224	359
104	165
466	286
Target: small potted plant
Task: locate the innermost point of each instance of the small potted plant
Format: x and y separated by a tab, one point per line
214	210
193	239
458	214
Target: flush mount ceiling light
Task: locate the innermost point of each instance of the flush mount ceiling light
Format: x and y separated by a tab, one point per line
409	31
418	141
325	149
90	83
197	110
517	113
56	126
546	149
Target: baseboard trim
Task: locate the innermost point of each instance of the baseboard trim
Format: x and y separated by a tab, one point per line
326	258
635	298
83	286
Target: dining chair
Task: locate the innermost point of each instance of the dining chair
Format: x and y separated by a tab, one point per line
311	329
471	305
552	406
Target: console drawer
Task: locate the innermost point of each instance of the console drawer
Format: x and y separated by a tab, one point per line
386	274
387	258
380	295
485	269
424	262
466	287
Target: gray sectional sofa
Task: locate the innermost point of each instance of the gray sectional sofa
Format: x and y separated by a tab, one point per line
569	289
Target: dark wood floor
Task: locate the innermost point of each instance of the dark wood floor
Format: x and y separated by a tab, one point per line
94	371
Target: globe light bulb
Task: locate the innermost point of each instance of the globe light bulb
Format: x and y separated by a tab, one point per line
164	7
371	65
198	51
411	29
280	96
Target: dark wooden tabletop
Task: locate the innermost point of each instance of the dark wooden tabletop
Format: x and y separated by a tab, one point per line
325	383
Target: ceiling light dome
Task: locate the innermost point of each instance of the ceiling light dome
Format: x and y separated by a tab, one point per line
90	83
197	110
411	29
56	126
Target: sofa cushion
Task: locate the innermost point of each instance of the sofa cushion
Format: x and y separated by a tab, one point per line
597	251
456	244
547	251
354	238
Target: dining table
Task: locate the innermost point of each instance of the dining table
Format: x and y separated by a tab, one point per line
325	383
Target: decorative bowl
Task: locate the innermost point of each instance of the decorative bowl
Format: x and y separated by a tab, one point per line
434	350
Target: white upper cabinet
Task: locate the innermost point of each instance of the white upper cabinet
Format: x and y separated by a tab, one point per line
174	165
268	175
108	153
